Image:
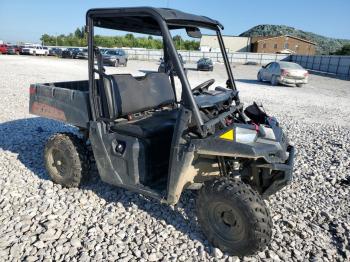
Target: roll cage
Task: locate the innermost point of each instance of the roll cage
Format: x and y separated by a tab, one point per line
154	21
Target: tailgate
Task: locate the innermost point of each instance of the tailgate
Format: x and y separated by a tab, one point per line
63	104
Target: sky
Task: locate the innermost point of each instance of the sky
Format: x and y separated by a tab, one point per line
26	21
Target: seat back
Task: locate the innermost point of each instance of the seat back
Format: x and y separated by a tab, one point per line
125	94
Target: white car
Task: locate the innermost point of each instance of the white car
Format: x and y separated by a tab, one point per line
283	73
35	50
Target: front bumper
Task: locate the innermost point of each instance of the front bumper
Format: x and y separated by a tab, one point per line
205	68
285	171
11	52
109	61
82	57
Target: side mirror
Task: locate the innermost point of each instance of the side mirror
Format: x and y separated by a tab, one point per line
194	32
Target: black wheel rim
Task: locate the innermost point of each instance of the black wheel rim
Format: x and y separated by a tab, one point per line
59	162
226	222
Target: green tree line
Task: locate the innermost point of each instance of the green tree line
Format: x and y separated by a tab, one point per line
79	38
345	50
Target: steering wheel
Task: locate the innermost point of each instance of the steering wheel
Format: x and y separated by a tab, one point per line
204	86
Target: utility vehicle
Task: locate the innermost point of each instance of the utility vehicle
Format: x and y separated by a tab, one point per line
147	140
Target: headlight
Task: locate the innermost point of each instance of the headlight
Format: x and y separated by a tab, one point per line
244	135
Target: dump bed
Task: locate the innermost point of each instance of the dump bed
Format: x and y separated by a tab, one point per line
63	101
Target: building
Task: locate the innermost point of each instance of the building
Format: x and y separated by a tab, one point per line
285	44
210	43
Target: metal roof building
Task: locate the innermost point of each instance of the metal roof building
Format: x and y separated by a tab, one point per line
210	43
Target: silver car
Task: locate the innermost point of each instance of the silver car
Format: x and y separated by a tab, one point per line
115	57
284	73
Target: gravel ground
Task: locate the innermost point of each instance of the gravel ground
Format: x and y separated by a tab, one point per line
43	221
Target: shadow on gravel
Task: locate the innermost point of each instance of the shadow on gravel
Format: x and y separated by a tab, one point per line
148	71
253	82
27	137
265	83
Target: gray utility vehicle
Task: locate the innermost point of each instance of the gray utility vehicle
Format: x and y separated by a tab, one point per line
146	140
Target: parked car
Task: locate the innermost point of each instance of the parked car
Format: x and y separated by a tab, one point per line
166	68
83	54
205	64
55	51
21	49
115	57
103	50
13	50
284	73
3	49
70	52
35	50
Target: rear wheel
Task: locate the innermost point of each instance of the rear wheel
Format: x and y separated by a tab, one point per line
34	53
116	64
274	81
66	159
233	217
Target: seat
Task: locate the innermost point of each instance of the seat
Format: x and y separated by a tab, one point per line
159	123
125	94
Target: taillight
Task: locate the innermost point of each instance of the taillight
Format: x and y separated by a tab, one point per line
284	72
32	90
306	74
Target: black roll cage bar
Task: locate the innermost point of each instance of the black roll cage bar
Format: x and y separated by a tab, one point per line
189	100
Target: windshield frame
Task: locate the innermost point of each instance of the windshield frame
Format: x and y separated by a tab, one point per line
187	99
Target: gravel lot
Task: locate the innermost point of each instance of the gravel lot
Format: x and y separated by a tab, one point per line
41	221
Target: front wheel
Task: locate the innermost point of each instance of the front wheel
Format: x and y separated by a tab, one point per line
259	77
233	217
274	80
299	85
116	64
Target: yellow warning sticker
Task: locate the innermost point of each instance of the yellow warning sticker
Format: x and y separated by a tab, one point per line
227	135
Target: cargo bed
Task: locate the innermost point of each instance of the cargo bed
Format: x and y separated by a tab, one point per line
63	101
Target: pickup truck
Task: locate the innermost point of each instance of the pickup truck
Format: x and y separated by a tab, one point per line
3	49
35	50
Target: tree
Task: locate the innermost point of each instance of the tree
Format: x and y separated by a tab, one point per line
345	50
78	38
78	33
129	36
